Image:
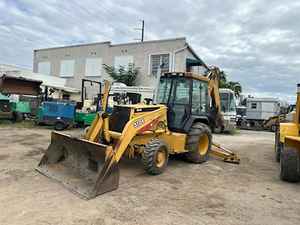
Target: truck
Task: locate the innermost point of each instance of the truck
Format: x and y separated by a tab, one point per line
228	108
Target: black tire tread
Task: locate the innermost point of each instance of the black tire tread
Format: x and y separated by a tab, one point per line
148	156
278	147
289	165
193	140
59	126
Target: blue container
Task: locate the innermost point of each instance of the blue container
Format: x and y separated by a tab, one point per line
59	114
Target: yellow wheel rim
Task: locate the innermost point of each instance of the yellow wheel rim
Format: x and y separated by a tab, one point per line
203	144
160	158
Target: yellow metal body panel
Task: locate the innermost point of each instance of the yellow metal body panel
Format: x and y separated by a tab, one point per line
293	142
288	129
297	116
95	128
175	141
293	138
290	132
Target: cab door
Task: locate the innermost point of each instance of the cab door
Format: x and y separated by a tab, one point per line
179	106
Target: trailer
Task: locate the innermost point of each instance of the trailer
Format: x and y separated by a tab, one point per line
60	114
258	111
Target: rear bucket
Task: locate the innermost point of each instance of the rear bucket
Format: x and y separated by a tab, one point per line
82	166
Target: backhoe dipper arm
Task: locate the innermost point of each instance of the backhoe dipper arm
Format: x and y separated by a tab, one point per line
213	89
224	153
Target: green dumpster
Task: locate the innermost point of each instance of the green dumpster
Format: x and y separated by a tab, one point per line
21	107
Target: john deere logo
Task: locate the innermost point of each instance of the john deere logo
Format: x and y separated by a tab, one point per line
138	123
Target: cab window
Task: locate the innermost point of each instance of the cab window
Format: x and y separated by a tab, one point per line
200	97
164	90
182	95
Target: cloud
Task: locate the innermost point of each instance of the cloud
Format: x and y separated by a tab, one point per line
257	42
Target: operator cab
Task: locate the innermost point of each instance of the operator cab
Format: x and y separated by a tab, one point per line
187	99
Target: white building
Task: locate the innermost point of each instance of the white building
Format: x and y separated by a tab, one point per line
76	62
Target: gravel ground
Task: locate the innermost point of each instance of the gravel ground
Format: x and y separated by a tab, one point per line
210	193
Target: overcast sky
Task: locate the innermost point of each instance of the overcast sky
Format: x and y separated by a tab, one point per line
256	42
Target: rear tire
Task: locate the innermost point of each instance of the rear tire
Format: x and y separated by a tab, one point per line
278	147
244	124
219	130
198	143
18	117
273	128
289	165
60	126
155	157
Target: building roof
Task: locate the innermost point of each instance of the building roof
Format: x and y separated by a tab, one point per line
186	46
266	99
226	90
50	81
112	45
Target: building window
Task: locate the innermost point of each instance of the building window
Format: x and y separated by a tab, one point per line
67	68
156	61
93	67
44	68
123	61
253	105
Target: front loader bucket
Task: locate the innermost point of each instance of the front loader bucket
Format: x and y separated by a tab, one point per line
85	168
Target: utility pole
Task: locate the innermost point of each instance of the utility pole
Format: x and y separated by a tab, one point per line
143	31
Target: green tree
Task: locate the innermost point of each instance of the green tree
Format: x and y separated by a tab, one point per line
122	74
235	86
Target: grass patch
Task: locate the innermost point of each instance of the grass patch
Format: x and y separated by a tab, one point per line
235	131
23	124
232	132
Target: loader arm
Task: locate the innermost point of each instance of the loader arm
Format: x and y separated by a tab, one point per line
96	127
134	127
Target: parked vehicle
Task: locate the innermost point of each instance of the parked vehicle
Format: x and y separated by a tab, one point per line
60	114
178	124
87	109
228	108
287	145
119	94
15	111
258	112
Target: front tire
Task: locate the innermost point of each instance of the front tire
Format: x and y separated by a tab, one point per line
198	143
155	157
289	165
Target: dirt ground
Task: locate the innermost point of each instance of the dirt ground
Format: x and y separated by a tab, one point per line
210	193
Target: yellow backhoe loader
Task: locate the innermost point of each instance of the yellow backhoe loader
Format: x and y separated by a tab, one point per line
287	146
179	124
